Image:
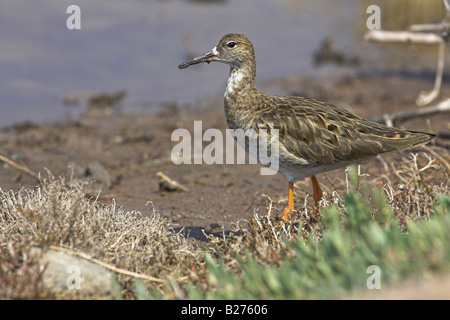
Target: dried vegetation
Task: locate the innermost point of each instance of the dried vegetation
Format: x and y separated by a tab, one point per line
403	228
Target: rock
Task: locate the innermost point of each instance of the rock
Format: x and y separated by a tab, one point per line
68	275
98	173
93	172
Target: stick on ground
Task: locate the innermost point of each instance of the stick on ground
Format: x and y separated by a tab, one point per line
19	167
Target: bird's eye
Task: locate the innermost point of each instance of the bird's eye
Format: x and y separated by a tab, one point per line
231	44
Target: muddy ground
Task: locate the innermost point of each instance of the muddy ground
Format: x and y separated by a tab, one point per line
124	152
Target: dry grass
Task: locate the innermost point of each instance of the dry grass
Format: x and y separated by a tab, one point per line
20	271
60	215
57	215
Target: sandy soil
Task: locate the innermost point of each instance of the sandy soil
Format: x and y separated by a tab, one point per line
124	152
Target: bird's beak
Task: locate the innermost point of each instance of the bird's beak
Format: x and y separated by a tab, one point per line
207	57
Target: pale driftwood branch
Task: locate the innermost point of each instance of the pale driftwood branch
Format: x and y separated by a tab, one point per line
426	97
421	34
389	119
167	184
402	37
447	6
19	167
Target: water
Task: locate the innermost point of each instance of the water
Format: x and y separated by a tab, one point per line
136	45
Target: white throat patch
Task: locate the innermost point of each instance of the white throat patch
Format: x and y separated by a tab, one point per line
233	81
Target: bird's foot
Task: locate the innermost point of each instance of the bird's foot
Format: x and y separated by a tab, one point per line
288	211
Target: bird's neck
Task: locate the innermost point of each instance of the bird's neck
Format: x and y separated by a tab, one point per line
240	88
241	80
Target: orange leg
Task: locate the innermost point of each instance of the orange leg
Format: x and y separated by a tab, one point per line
290	207
317	191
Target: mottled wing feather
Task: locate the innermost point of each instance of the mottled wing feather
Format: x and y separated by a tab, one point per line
321	133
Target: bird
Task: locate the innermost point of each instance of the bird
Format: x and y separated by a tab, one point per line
313	136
